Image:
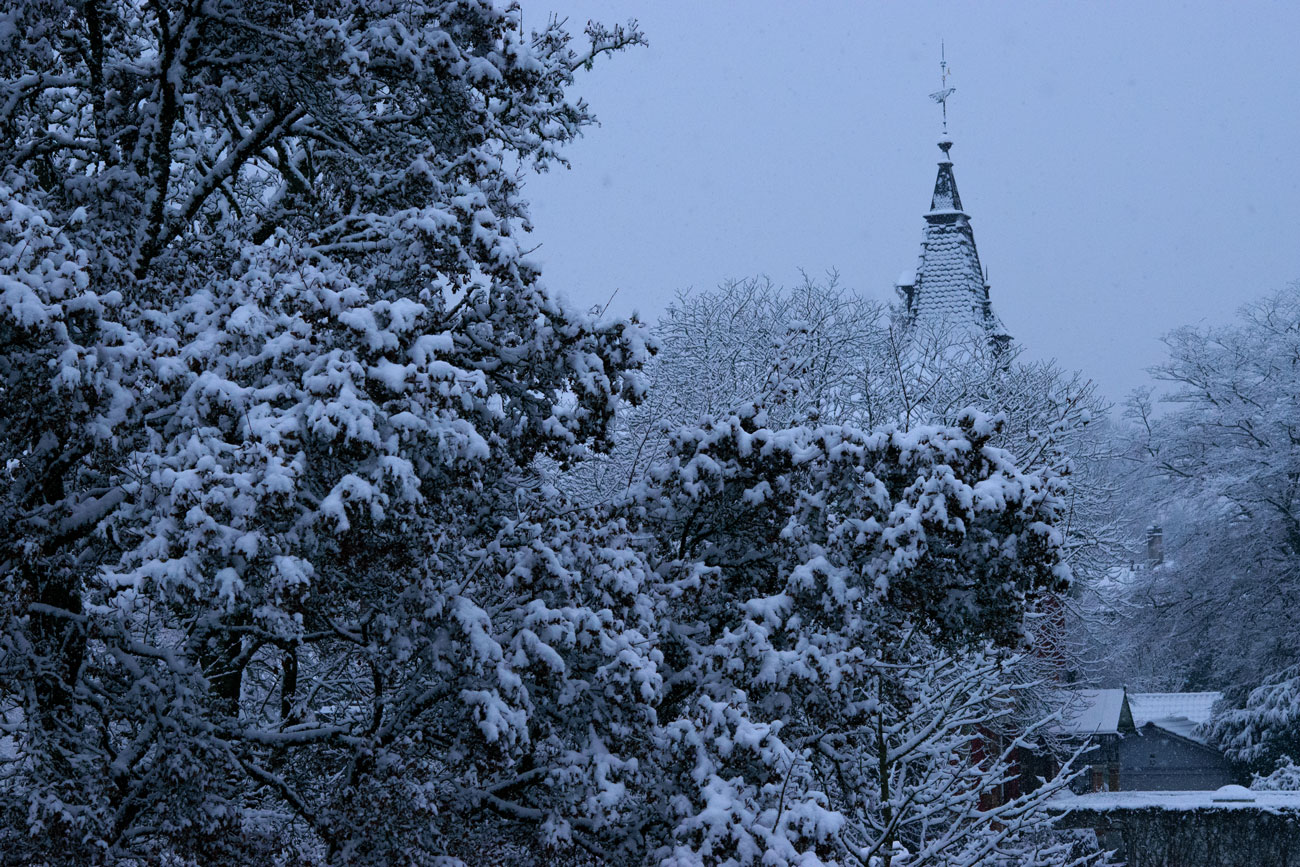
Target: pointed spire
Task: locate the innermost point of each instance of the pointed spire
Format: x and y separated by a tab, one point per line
950	287
945	186
946	197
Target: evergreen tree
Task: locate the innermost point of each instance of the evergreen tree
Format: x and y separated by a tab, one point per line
834	599
279	580
1264	735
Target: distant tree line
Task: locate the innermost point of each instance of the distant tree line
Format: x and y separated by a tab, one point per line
1214	460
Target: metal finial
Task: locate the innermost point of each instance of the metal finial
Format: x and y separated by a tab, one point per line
941	96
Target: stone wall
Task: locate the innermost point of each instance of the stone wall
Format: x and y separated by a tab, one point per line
1206	837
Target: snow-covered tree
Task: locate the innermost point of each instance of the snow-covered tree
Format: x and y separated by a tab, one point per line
817	353
934	775
826	587
1055	421
798	352
1285	777
756	363
1265	734
280	580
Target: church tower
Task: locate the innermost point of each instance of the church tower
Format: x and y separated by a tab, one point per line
949	288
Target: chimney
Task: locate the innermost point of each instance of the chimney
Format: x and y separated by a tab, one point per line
1155	546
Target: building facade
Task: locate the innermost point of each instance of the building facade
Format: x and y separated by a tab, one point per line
1143	742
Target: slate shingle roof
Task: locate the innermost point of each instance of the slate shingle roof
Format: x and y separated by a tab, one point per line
948	288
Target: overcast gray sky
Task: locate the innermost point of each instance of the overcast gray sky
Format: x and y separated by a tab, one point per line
1129	167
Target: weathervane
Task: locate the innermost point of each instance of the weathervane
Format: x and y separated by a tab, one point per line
941	96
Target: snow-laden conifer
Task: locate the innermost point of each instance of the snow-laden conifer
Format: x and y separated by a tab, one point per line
831	692
1264	735
281	581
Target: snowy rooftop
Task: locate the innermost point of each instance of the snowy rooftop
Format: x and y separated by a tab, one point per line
1099	711
1091	711
1228	797
1155	706
1177	712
